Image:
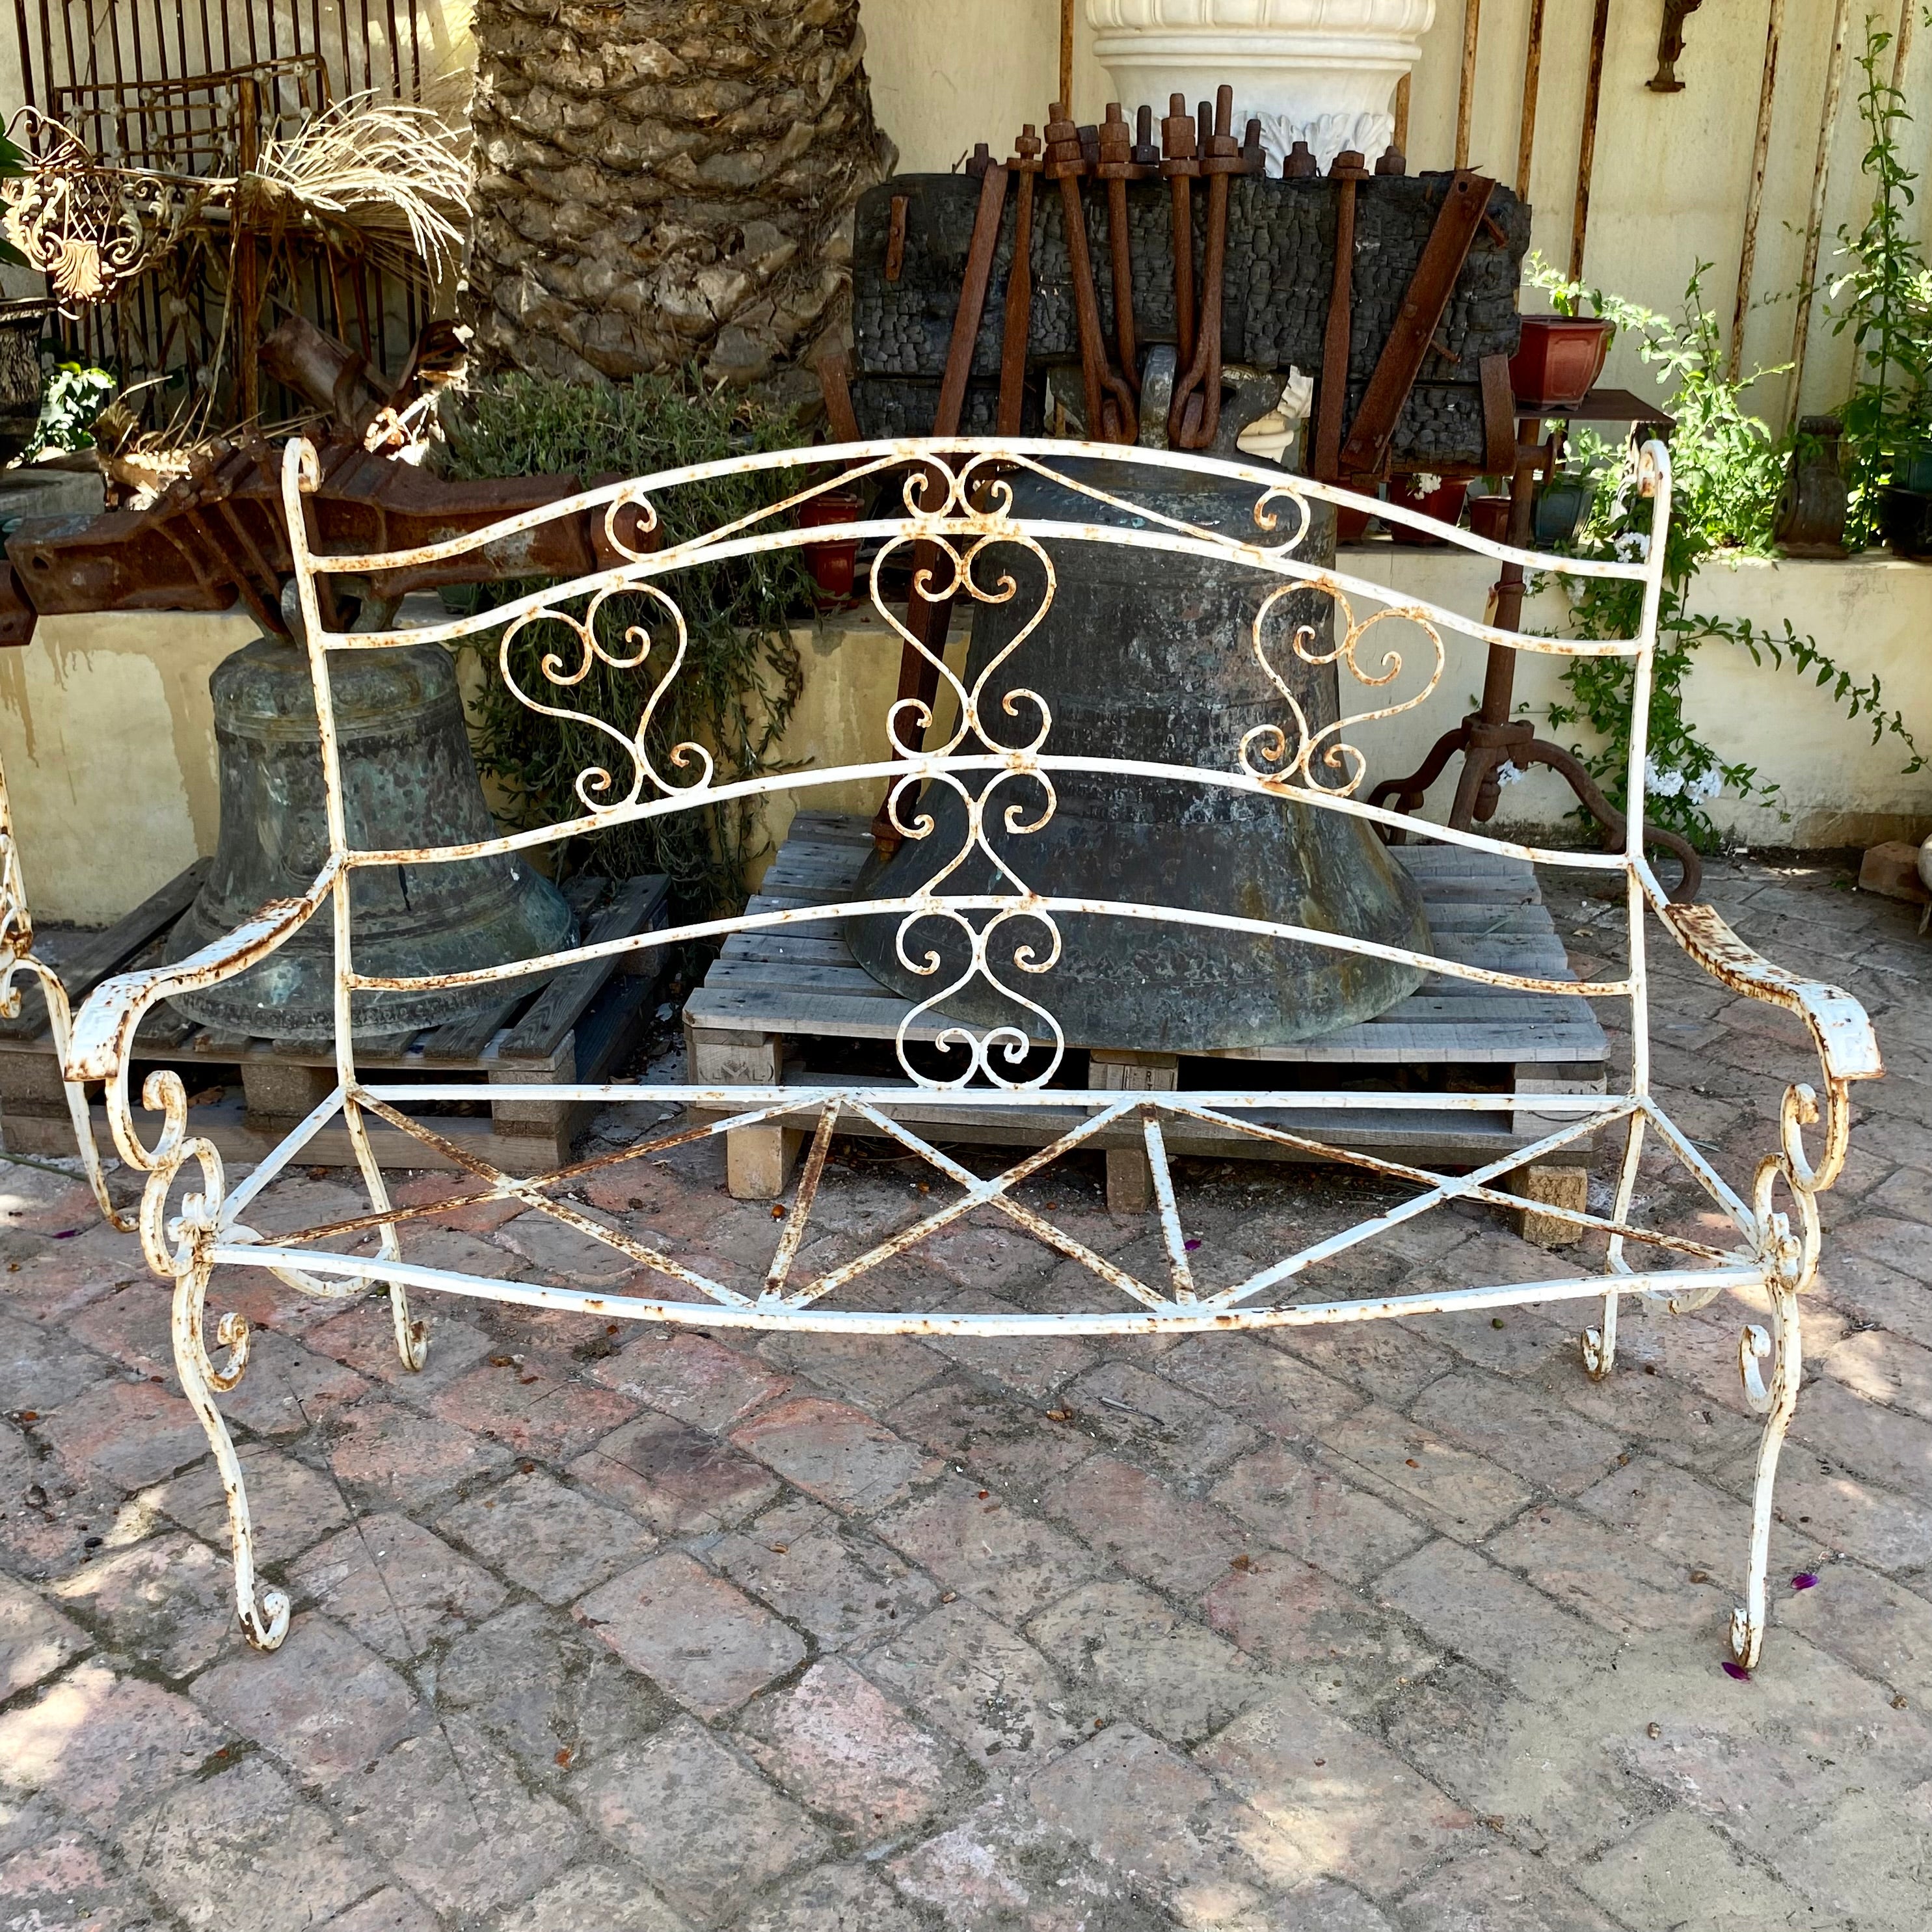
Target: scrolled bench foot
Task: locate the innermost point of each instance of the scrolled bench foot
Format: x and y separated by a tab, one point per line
1774	1397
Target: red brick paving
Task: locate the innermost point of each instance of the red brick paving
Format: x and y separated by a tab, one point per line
1399	1629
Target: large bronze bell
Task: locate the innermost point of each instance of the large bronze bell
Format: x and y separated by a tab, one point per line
1147	656
409	780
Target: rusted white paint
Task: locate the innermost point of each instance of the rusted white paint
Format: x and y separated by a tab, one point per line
962	510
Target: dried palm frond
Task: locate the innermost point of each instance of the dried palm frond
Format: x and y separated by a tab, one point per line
373	165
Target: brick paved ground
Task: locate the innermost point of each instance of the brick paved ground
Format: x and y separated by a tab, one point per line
1408	1626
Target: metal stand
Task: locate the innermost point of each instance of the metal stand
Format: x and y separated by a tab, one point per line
1490	736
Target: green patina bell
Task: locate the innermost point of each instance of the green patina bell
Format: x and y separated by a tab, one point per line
1146	656
409	780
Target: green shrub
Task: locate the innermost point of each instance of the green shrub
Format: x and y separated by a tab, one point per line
741	674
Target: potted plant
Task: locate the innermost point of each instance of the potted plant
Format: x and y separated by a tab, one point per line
1432	497
1561	505
1561	355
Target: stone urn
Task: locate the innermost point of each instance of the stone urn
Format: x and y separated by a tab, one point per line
1309	69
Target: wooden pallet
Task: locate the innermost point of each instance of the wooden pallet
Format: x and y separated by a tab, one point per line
579	1024
775	1000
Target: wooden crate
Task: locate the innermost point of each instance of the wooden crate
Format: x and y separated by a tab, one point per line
775	1001
578	1025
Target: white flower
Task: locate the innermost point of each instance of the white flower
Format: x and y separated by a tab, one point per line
1507	773
1425	484
1706	786
1633	544
1661	782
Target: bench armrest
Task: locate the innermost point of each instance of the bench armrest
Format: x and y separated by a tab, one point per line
1840	1027
102	1044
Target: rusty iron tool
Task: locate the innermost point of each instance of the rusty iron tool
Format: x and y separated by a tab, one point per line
217	537
1017	329
926	618
1392	161
1195	414
1254	156
1109	402
1116	169
834	371
966	318
1670	45
1180	162
1299	163
1425	300
1586	146
1346	171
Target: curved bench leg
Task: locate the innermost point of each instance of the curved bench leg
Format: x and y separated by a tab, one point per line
1774	1400
411	1334
265	1623
1600	1344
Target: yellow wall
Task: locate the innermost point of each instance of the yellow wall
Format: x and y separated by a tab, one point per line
108	744
107	738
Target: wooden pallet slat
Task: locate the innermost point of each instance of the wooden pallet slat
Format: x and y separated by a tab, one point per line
582	1033
792	986
99	955
638	903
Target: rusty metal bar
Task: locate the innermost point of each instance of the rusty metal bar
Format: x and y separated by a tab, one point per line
1754	196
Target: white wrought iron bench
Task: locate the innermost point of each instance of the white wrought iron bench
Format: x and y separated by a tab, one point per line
955	502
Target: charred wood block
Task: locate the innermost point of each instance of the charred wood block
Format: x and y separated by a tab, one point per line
1275	293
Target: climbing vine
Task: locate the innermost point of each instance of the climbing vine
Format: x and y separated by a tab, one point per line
1727	469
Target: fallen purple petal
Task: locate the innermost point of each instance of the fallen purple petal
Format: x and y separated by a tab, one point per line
1804	1580
1190	1246
66	1234
1736	1670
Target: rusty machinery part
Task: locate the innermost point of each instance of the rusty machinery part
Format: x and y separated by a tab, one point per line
1670	45
1464	207
1195	414
215	537
1346	171
1109	402
1017	323
1181	163
911	248
1115	169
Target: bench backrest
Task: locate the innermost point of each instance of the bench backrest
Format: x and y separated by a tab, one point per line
949	508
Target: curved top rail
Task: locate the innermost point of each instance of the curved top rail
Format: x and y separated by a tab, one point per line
981	460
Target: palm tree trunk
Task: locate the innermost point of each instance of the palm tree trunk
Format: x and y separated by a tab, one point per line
667	182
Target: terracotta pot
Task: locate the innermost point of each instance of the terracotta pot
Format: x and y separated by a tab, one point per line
1489	517
1351	526
1560	357
833	566
1445	503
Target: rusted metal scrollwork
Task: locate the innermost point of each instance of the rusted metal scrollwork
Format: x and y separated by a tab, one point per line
984	756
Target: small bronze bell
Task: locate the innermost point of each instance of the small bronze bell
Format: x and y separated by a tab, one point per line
409	780
1149	657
